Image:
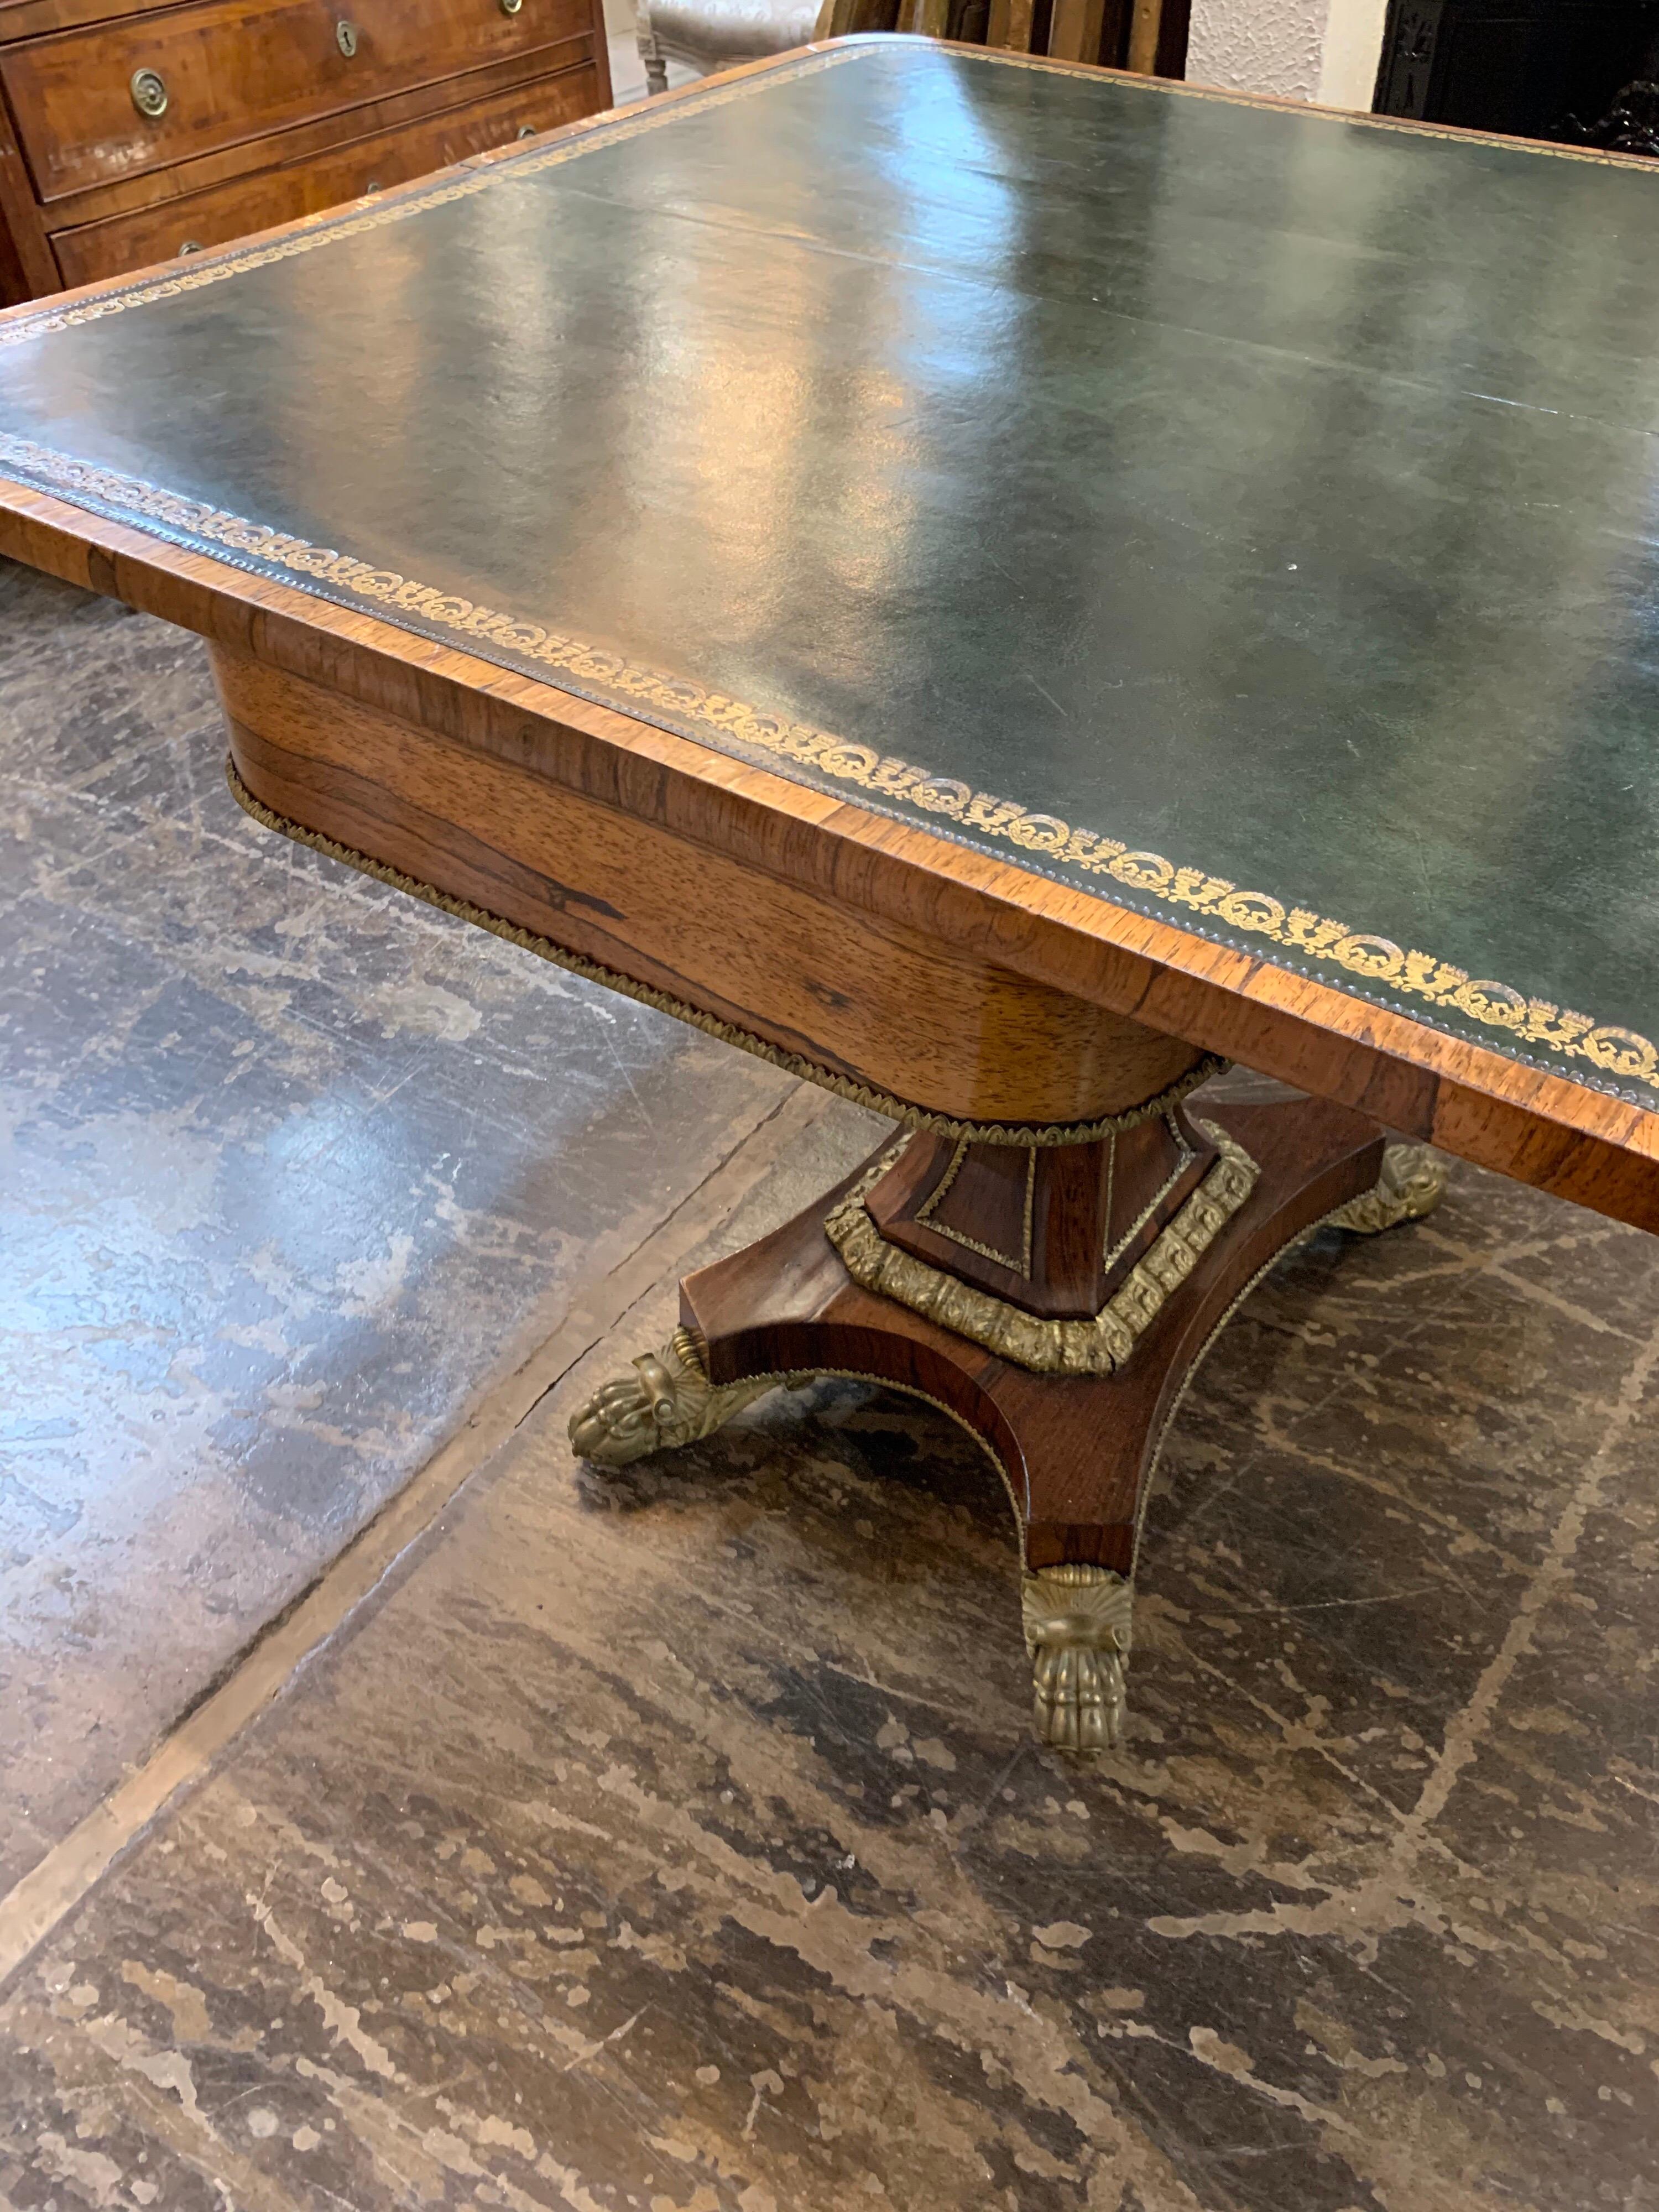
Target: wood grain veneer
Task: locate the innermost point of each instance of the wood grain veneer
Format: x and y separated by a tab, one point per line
866	995
239	69
375	163
1075	1450
1542	1127
267	117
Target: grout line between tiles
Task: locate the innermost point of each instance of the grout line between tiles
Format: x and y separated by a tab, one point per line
55	1885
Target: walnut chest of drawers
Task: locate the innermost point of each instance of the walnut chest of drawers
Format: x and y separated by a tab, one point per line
131	133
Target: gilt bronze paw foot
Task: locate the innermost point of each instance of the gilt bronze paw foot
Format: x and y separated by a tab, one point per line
1051	1242
1412	1182
1079	1628
666	1402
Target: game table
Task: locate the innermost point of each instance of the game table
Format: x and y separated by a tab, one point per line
1000	588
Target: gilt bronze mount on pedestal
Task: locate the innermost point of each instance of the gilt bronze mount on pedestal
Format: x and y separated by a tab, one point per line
1055	1299
844	625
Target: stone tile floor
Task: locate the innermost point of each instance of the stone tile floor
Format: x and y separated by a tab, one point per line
677	1842
291	1168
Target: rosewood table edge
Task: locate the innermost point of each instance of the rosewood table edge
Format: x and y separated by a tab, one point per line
994	56
607	117
77	295
1583	1144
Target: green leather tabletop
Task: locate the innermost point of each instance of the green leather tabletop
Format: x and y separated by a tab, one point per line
1247	516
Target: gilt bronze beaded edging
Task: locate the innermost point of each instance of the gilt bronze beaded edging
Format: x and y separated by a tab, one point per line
1407	975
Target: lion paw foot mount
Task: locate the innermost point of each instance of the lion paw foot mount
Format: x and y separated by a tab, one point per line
1078	1630
1411	1184
666	1402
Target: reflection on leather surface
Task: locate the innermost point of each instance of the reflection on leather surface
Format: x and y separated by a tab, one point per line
1242	513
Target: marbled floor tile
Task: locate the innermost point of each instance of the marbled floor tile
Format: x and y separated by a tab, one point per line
96	698
677	1842
289	1165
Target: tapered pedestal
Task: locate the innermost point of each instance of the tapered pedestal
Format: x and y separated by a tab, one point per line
1071	1402
1074	1448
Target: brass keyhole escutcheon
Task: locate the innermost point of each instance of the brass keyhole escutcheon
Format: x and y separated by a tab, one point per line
345	37
150	92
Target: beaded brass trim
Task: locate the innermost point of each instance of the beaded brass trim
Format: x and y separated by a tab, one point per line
927	1215
1184	1156
1040	1135
1099	1346
1618	1052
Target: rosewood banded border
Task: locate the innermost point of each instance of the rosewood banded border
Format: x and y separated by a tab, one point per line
1541	1127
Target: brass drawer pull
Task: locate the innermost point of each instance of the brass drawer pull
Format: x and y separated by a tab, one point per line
526	131
345	37
511	7
150	93
189	246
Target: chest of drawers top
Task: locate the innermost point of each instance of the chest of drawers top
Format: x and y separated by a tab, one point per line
130	130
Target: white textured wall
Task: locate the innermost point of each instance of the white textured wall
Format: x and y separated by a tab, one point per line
1323	50
1258	46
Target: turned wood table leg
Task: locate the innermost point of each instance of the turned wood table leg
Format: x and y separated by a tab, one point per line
1053	1298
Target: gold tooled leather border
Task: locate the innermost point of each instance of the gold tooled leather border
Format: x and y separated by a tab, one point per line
1309	937
1622	1053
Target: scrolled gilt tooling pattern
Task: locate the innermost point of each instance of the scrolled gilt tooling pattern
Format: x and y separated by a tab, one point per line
1310	939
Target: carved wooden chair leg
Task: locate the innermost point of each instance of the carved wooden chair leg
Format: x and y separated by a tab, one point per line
652	57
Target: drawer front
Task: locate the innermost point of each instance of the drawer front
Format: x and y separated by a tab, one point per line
272	195
93	106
